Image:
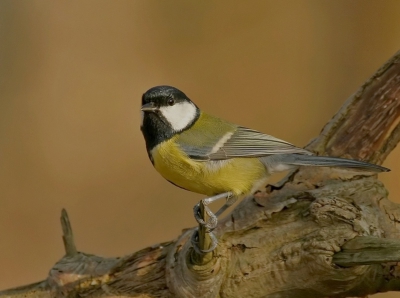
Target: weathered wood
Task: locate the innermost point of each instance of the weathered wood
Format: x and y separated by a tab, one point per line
367	125
368	250
37	290
326	232
68	236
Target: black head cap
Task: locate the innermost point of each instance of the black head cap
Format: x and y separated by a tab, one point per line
163	96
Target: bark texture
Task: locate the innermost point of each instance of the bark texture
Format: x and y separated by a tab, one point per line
326	233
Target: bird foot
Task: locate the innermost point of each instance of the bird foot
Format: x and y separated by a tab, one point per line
208	221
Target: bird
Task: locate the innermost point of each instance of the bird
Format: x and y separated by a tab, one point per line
208	155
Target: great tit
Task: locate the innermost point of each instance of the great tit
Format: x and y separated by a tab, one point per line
210	156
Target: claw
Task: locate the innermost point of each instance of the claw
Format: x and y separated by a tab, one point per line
211	222
195	242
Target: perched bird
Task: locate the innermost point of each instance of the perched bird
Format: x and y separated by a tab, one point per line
210	156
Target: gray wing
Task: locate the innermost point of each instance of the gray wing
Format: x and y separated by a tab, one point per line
243	142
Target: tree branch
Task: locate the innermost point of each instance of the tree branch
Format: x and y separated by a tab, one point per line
368	250
367	125
326	232
68	236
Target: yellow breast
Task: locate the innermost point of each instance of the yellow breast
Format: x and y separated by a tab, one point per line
238	175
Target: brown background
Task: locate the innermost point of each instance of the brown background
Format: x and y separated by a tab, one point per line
71	77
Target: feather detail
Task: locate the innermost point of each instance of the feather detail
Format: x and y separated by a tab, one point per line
211	138
246	142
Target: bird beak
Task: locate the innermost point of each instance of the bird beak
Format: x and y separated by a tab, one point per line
149	107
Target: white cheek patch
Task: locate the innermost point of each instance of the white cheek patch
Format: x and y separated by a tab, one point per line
179	115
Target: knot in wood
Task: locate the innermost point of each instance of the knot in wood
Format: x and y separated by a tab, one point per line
329	210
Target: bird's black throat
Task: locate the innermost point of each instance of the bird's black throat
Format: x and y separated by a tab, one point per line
155	130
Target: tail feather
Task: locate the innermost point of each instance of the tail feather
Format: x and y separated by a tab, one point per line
287	161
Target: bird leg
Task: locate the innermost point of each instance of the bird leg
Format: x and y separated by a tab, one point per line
212	220
229	202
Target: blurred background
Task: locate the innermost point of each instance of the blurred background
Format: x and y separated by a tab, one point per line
71	77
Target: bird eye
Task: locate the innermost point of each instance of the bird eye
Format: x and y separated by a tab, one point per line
171	102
